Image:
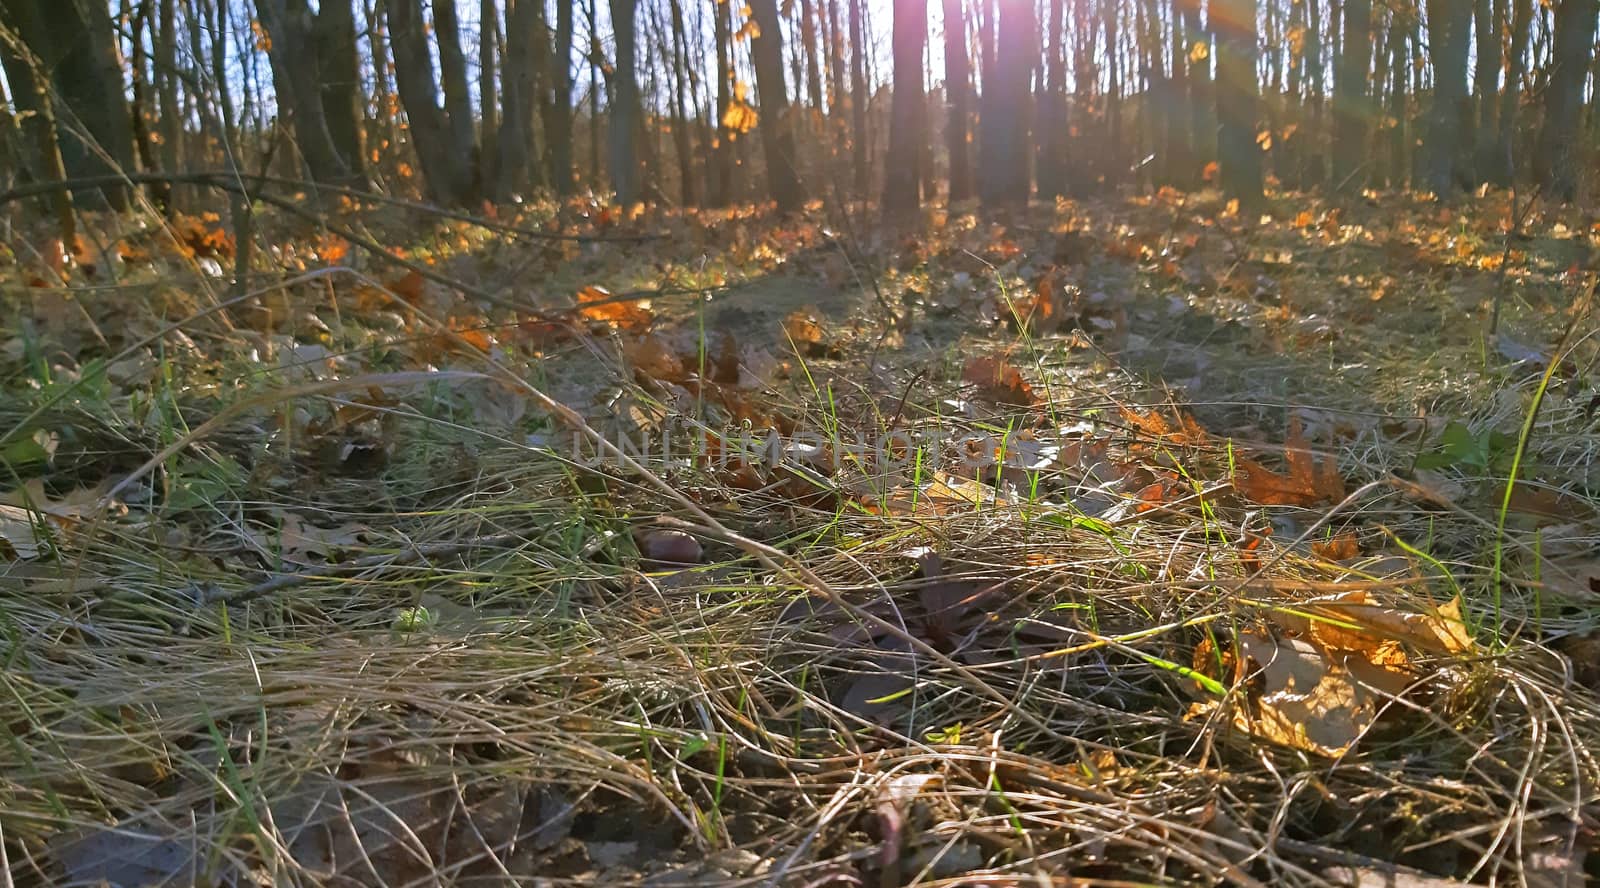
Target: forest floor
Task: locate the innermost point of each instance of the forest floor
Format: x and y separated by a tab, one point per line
1103	544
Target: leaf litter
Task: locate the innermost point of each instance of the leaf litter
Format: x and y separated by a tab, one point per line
1066	595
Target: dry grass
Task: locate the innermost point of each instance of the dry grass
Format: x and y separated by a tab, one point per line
480	682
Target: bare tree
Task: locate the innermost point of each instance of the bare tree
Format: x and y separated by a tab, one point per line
1233	22
449	167
958	95
625	123
906	134
777	128
297	77
1003	177
1503	170
1351	109
74	47
859	98
1556	160
1447	38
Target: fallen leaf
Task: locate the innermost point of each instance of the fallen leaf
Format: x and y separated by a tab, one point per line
1340	547
999	382
1305	480
597	305
1438	631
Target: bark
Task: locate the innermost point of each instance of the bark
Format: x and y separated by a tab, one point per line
859	97
170	122
1400	63
623	152
1293	171
835	58
1315	162
1003	178
1558	156
514	148
721	173
1203	133
559	131
33	99
448	170
1052	127
1114	167
1234	24
1502	170
75	44
1447	36
298	77
385	105
453	77
681	105
906	134
488	90
958	94
142	112
1487	20
777	126
1351	108
808	46
341	84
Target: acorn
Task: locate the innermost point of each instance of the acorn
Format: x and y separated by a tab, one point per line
668	548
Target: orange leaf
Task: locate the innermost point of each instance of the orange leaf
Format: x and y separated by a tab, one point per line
409	287
631	315
1305	480
1340	548
998	381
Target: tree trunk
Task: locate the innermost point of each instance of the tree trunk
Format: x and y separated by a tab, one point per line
906	135
808	44
341	84
1351	109
1400	64
559	132
859	97
1489	18
1292	172
298	78
1003	175
33	99
1503	169
681	107
624	125
488	92
447	168
1315	170
142	112
1234	24
1202	142
835	59
1558	156
457	93
514	148
75	44
958	92
386	106
777	127
721	173
1447	35
1051	131
170	122
1115	161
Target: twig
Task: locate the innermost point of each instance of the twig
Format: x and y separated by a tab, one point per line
1505	255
